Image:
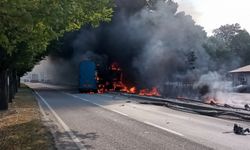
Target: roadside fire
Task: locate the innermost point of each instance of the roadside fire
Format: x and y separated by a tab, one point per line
132	90
119	85
210	100
146	92
115	83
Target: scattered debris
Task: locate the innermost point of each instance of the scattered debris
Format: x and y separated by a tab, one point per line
240	130
128	101
247	107
212	102
227	106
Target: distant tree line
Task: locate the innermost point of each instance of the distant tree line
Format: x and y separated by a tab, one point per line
228	47
28	26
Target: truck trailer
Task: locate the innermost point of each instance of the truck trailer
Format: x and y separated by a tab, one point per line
87	77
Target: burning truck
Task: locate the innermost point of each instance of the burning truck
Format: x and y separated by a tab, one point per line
99	78
95	78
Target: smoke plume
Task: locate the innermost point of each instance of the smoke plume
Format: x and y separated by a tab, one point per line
151	41
155	45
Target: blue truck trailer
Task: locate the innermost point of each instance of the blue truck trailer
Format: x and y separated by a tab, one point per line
87	77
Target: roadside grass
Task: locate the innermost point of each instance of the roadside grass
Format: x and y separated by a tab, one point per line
21	127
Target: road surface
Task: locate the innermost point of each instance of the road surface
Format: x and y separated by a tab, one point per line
108	122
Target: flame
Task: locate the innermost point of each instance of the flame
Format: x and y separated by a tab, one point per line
101	88
146	92
118	84
132	90
208	99
115	67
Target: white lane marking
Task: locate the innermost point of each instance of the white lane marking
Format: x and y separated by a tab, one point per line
168	130
95	104
148	123
149	108
83	99
66	128
119	112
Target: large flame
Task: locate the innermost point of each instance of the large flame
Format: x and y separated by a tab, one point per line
118	84
153	92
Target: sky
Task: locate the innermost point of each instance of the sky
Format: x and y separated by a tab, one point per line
211	14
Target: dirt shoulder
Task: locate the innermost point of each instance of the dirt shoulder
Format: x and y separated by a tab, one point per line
21	126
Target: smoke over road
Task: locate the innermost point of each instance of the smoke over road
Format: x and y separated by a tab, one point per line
152	42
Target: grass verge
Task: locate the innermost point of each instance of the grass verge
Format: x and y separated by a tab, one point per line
21	126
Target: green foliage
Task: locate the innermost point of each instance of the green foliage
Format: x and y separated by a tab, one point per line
229	47
27	26
240	45
226	33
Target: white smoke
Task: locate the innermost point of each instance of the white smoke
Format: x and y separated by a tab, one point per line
222	90
171	36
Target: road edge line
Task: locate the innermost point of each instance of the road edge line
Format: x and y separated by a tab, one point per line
63	124
119	112
162	128
83	99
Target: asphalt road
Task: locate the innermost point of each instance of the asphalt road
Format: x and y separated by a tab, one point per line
108	122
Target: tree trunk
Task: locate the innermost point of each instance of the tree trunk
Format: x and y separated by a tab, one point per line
11	86
15	81
3	90
8	86
18	82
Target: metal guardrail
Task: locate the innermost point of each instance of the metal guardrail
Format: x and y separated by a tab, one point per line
192	106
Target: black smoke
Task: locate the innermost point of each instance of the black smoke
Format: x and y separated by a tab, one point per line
150	40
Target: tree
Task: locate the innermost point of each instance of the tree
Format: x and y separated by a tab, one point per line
229	47
240	45
27	27
227	32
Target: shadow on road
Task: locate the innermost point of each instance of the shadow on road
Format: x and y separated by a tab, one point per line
63	140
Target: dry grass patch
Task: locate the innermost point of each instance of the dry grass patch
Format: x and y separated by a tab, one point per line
21	126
